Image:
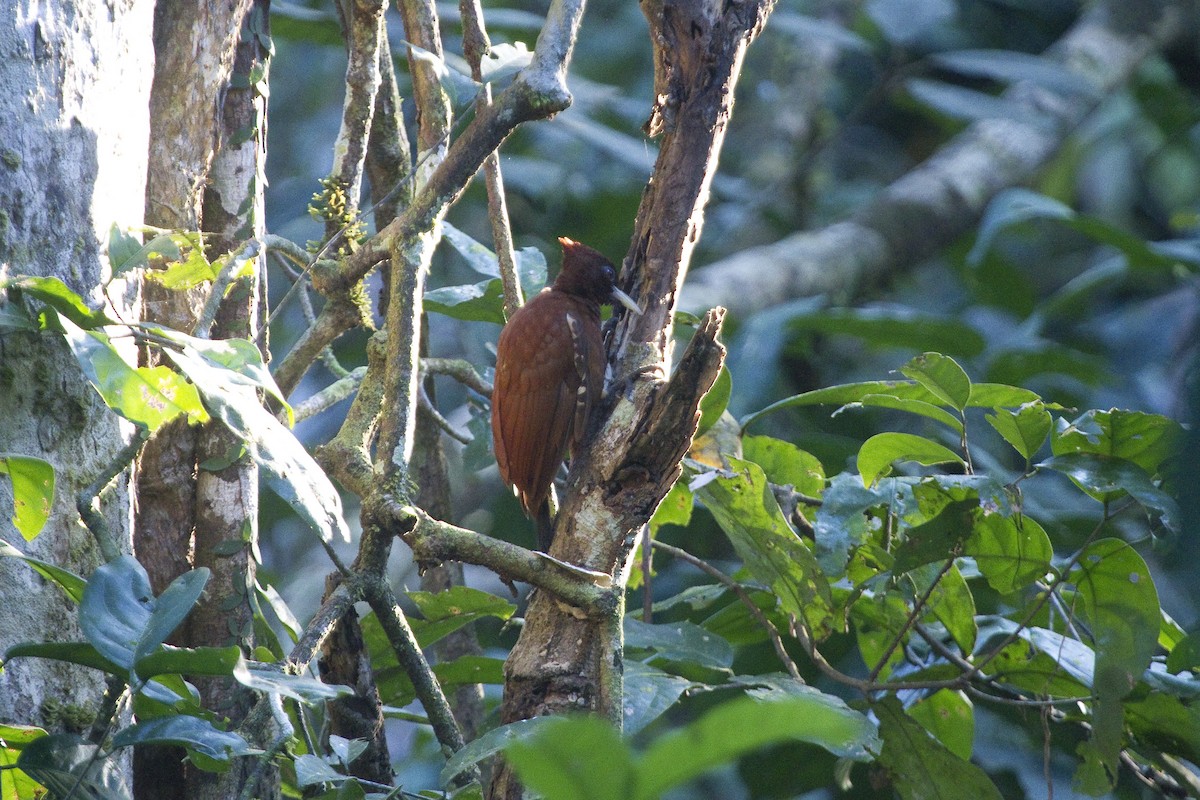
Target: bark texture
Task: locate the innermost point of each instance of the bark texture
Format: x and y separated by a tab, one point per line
73	132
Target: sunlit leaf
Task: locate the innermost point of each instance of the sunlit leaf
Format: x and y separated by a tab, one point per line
950	716
56	294
745	508
942	376
1009	551
33	493
877	454
1025	428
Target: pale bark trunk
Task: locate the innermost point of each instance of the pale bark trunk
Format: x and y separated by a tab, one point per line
74	124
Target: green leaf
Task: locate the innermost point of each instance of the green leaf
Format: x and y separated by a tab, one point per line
918	407
878	620
1145	439
714	402
56	294
1025	428
170	609
1185	654
841	522
490	743
68	766
577	758
1011	552
240	361
477	302
116	608
648	694
675	509
1013	206
147	396
877	454
126	252
1120	608
785	464
194	733
892	326
15	784
921	768
983	395
187	273
190	661
470	670
33	493
1167	723
447	611
82	653
950	602
1106	479
942	376
961	103
229	394
745	508
680	641
937	538
747	724
950	717
311	770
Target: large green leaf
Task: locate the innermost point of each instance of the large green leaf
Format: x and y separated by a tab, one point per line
490	743
922	768
938	538
746	724
785	464
56	294
648	694
33	492
745	508
1025	428
949	715
1011	552
194	733
229	392
116	609
680	641
15	784
1120	609
82	653
713	404
579	758
147	396
1107	478
447	611
170	609
1145	439
950	602
877	454
943	377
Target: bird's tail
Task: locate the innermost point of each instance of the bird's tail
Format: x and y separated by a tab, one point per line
544	523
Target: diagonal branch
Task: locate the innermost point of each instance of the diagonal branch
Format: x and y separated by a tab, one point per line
927	209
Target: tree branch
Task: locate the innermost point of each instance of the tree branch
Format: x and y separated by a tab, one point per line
927	209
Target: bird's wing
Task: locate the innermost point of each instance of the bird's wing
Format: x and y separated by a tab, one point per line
536	388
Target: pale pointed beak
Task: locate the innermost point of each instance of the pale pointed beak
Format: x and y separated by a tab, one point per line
626	301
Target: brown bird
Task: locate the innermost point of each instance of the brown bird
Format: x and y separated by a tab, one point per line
549	375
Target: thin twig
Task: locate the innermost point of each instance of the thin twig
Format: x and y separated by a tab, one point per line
462	371
917	610
443	423
85	500
736	588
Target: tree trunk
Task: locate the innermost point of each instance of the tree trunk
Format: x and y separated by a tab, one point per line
72	164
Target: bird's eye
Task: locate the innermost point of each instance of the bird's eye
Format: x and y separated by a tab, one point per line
610	274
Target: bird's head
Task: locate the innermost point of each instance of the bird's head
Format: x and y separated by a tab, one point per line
587	274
